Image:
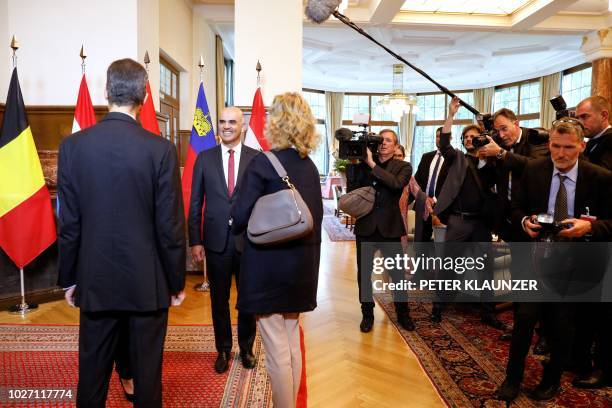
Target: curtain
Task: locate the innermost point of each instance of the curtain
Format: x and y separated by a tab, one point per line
406	129
550	86
334	102
220	74
483	99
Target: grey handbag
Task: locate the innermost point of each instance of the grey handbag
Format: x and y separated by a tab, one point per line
279	217
358	202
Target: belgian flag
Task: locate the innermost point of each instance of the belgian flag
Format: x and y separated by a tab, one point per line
27	224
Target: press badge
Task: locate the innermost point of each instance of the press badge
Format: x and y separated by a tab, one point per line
587	216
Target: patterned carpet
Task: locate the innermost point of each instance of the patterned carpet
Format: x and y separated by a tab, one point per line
46	357
336	231
466	361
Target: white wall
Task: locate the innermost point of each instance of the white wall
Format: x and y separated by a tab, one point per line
50	34
204	44
148	40
269	31
5	59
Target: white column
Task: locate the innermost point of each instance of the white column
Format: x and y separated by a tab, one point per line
148	40
269	31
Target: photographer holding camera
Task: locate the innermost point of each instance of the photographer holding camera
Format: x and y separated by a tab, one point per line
565	188
383	225
518	146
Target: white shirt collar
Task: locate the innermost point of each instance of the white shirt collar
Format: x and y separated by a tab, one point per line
237	149
600	133
572	174
520	136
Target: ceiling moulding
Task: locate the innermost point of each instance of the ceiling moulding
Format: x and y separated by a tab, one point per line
519	50
459	57
216	13
597	44
317	45
423	41
536	12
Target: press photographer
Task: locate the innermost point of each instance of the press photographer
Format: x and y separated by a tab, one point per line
383	225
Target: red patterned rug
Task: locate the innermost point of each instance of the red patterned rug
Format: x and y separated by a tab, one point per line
465	360
46	357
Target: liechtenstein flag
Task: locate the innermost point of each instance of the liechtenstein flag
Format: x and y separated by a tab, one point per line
202	138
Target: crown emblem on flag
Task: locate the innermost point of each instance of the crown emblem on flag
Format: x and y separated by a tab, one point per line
201	122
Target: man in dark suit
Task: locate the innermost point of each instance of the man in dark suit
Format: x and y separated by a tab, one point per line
593	320
121	241
383	227
216	177
430	176
563	187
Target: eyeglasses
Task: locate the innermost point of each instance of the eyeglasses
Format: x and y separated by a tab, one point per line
569	121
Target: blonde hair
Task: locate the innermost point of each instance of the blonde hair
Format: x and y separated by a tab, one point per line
291	124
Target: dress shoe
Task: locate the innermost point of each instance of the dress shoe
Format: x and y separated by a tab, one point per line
545	391
366	324
128	396
507	391
222	362
248	359
541	348
406	322
595	379
491	321
436	315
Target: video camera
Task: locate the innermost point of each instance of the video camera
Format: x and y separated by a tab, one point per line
489	130
353	144
560	107
550	227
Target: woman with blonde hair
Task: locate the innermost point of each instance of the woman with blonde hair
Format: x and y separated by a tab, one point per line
279	282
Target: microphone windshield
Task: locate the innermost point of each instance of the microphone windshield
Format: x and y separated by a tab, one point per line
343	134
319	10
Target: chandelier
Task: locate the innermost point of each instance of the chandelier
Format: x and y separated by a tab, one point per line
397	102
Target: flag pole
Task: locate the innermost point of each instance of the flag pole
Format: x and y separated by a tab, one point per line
147	61
23	307
204	286
258	69
83	55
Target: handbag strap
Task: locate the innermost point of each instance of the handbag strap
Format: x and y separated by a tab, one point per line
276	164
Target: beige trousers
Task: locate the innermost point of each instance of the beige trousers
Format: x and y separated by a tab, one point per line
280	333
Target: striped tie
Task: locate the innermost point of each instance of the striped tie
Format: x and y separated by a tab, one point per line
561	200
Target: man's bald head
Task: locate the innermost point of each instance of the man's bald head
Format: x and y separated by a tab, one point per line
231	121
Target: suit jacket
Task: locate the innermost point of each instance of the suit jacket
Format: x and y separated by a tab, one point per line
388	183
121	217
599	151
209	189
593	187
422	173
279	278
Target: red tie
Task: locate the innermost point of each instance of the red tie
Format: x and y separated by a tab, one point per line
230	173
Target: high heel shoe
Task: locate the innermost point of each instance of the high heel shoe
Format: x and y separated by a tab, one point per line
128	396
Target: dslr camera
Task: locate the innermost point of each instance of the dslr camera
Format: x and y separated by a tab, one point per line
550	227
487	123
353	143
560	107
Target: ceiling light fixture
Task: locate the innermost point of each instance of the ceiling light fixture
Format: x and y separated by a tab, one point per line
397	102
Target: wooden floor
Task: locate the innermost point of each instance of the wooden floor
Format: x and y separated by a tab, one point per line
346	368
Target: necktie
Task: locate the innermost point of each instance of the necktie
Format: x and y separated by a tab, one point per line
591	145
230	173
561	200
432	182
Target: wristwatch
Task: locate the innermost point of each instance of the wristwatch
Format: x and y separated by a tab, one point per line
501	154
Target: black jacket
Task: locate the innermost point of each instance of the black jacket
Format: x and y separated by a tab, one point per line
389	182
121	218
209	189
422	173
599	151
279	278
593	190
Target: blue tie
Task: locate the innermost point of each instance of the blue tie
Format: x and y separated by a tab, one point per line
432	183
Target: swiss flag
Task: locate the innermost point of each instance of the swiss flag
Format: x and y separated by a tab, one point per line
255	134
148	117
84	116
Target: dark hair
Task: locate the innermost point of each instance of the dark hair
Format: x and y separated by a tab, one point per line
390	131
566	126
126	82
439	130
402	149
506	113
470	127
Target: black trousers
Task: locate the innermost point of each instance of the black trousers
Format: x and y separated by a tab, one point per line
220	266
98	338
593	324
365	257
557	319
122	353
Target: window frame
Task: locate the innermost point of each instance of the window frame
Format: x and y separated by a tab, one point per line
520	116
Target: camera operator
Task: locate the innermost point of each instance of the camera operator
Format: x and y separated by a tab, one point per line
518	146
563	187
383	225
594	320
464	200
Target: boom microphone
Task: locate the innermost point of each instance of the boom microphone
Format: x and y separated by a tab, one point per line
319	10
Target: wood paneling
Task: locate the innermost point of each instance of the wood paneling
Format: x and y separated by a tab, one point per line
601	83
